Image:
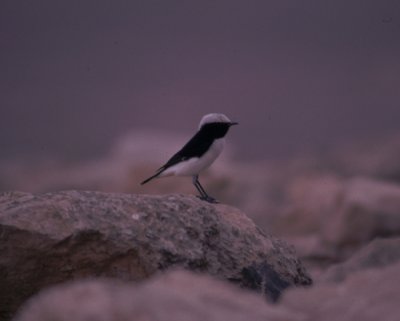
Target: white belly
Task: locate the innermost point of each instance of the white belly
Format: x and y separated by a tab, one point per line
195	165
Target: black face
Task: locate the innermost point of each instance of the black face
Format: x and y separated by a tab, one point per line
215	130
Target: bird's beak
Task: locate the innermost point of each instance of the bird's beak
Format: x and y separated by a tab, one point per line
233	123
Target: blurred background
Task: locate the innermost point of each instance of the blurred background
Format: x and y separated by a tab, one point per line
298	75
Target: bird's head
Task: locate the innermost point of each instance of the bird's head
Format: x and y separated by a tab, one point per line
216	118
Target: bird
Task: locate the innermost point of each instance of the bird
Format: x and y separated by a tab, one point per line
198	153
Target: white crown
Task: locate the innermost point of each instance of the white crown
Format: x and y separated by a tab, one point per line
214	118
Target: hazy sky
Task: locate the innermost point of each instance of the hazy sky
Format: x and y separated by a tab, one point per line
297	75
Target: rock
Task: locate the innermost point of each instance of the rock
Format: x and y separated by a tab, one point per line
368	295
342	214
313	200
54	237
177	295
379	253
118	170
367	209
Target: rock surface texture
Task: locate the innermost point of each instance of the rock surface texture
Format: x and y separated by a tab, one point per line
50	238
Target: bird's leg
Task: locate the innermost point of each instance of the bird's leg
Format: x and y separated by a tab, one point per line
203	195
196	184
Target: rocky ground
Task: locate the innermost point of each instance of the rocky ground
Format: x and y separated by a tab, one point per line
128	252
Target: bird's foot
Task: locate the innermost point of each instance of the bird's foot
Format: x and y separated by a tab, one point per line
208	199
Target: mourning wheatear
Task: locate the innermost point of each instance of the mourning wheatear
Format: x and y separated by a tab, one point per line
198	153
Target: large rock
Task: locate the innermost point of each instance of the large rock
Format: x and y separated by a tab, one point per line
178	296
368	295
53	237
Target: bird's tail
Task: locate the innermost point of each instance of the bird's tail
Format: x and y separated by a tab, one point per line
151	177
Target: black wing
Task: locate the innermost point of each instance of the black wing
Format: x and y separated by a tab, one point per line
195	147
